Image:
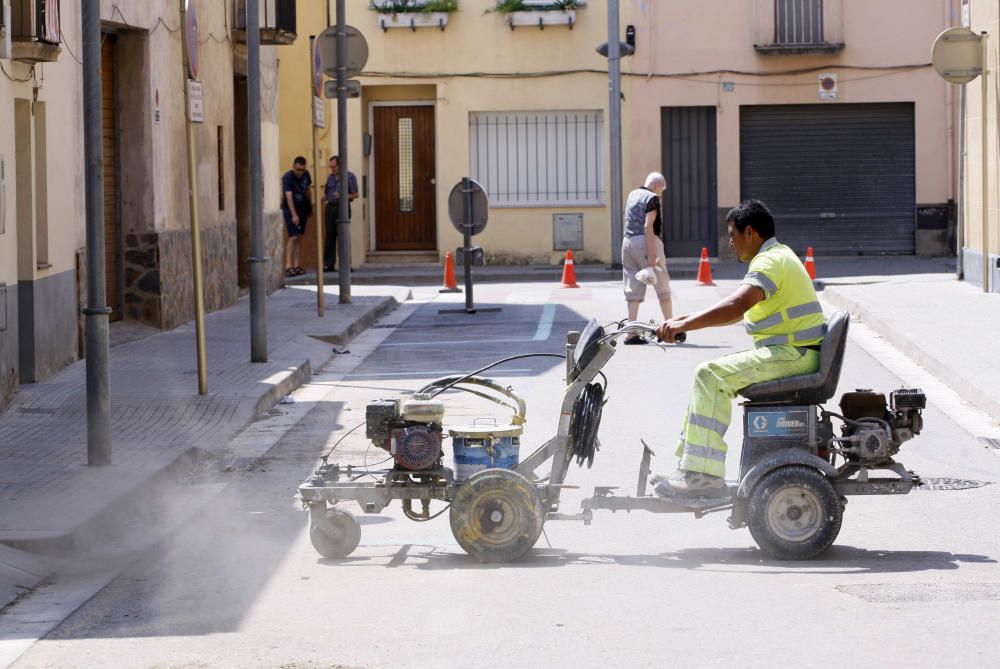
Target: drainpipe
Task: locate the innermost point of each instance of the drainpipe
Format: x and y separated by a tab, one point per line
258	261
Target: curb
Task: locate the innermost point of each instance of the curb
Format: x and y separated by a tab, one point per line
968	390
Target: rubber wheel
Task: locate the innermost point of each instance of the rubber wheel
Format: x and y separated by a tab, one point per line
794	513
497	515
338	536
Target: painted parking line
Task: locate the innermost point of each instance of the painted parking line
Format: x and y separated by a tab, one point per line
429	374
542	333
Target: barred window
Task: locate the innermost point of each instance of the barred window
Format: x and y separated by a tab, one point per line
537	159
798	21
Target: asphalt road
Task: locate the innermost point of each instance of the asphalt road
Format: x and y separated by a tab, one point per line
912	580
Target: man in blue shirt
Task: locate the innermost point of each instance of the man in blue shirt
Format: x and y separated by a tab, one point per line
296	206
331	195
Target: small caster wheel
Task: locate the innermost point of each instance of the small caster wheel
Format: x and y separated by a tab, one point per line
497	516
794	513
334	533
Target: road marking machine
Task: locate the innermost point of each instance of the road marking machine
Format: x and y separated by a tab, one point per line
795	470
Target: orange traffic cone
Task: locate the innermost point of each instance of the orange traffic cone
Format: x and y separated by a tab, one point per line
569	273
810	263
704	270
450	285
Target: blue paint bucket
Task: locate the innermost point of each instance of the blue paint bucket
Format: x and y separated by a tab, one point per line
480	447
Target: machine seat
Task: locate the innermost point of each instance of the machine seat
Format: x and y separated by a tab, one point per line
813	388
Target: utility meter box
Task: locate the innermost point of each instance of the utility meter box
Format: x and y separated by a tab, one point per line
567	232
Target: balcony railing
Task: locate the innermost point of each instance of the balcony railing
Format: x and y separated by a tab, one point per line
277	21
35	30
798	26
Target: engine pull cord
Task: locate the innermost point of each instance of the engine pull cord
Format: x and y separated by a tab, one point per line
585	423
495	364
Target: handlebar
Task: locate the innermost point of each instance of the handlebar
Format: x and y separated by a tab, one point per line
647	331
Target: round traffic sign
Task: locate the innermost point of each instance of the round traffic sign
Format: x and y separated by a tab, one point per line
357	51
317	69
468	212
191	35
957	55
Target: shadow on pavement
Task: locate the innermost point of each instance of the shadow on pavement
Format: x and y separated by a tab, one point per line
837	560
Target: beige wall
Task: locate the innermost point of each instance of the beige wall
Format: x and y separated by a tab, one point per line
984	16
60	89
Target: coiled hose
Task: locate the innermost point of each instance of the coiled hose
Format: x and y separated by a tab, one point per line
585	423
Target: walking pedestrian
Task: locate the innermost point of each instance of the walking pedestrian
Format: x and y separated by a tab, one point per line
331	196
296	206
643	248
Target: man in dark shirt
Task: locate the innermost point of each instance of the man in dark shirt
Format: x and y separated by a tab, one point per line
331	196
296	206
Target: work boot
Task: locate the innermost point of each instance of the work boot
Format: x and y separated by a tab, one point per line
683	483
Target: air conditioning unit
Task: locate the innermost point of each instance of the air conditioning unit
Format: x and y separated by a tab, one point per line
4	30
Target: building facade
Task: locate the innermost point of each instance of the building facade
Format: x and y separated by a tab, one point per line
979	236
146	213
815	106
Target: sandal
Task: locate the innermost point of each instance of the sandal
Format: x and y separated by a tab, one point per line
299	271
291	272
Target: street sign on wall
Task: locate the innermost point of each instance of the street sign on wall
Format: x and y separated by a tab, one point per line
319	112
353	88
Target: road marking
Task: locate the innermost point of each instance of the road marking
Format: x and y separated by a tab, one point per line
545	323
542	333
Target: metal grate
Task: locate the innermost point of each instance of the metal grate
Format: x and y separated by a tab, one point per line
538	158
990	442
405	144
798	21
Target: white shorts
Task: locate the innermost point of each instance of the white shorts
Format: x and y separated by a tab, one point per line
634	259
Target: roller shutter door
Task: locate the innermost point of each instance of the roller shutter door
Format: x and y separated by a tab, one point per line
839	178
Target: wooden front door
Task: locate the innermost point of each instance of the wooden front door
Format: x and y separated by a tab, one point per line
405	184
112	248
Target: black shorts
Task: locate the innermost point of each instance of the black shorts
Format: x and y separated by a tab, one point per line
295	230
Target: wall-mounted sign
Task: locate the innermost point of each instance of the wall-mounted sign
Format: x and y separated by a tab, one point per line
196	102
828	87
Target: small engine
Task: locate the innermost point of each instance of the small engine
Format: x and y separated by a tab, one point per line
875	430
411	432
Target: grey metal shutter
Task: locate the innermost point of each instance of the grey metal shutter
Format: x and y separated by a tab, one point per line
839	178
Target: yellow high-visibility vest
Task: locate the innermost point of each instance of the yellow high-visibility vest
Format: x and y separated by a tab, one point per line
790	312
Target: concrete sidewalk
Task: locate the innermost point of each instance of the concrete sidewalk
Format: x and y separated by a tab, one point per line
51	501
949	327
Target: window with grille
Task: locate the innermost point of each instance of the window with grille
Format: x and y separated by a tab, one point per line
405	162
537	159
798	21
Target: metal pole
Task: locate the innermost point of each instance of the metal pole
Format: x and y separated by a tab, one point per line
343	221
986	164
192	156
962	200
467	193
96	312
615	130
318	220
258	279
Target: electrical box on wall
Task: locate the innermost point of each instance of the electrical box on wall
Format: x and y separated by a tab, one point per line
4	30
567	232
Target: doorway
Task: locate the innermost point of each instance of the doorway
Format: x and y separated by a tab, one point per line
690	209
404	178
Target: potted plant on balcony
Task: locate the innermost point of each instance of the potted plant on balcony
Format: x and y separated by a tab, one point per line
538	12
413	14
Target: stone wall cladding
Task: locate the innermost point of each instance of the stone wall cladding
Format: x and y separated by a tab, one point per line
143	294
176	280
274	249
